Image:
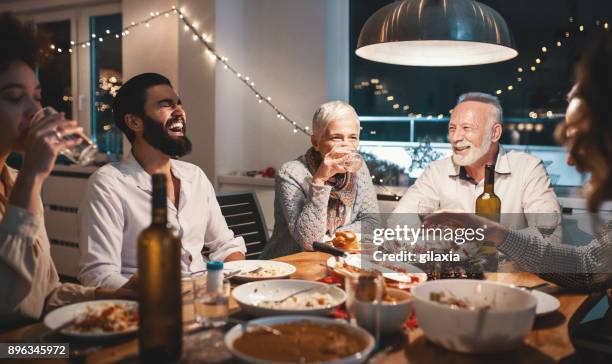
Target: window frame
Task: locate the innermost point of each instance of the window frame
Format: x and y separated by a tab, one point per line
80	60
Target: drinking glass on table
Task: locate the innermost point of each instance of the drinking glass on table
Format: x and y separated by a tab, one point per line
211	301
363	291
81	154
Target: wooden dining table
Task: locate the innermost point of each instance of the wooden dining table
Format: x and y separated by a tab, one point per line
548	341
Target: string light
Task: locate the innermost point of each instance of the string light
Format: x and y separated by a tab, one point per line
210	51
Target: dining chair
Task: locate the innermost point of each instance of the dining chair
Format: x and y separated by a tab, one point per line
244	217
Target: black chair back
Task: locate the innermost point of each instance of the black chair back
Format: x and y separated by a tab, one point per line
243	216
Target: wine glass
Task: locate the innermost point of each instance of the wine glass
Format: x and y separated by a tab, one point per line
81	154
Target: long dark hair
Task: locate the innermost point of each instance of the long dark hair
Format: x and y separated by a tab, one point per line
592	148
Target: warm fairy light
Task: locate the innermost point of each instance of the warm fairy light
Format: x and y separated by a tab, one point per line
539	127
390	98
510	87
533	68
544	49
533	115
558	44
549	114
374	81
529	127
406	107
538	60
520	69
498	92
396	106
581	28
519	79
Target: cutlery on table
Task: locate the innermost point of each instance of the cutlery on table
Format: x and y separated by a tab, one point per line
328	248
536	287
295	294
256	270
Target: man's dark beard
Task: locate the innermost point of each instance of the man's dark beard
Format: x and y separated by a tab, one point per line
156	134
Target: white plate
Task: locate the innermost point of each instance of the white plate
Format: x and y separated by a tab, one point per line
283	270
356	261
250	294
360	357
60	316
546	303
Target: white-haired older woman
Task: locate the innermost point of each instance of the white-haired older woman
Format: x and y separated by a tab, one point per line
316	194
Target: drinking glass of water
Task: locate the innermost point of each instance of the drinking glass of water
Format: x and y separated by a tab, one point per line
81	154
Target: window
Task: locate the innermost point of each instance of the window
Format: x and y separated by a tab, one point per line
409	107
82	82
106	79
54	72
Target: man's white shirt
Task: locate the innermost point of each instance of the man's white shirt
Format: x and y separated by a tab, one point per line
117	207
521	182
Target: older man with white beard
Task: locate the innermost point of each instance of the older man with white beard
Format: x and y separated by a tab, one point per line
454	183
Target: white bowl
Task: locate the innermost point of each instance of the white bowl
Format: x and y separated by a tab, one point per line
393	315
250	294
360	357
499	328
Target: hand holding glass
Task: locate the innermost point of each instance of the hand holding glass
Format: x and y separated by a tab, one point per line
349	158
81	154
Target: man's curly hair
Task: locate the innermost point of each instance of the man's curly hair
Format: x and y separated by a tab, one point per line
18	42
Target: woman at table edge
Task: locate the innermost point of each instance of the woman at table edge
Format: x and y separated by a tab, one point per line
587	131
315	194
29	283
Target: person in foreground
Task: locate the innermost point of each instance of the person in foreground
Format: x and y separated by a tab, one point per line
587	131
29	283
316	195
117	203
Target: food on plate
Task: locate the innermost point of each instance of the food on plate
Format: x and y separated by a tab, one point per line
301	342
106	318
346	240
301	301
264	272
456	302
399	272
